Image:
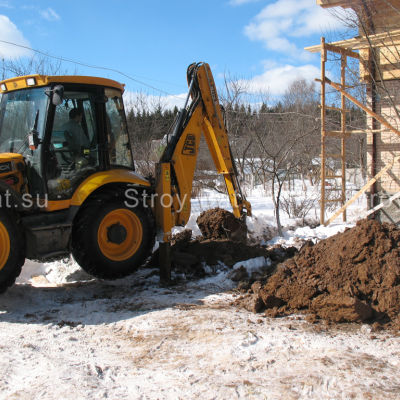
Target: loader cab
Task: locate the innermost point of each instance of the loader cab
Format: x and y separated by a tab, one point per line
67	128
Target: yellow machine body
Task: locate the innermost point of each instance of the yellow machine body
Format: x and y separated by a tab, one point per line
12	168
96	181
32	81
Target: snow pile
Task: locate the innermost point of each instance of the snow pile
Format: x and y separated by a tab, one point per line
302	234
253	264
261	228
57	272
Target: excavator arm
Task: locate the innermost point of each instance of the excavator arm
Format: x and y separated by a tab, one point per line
202	114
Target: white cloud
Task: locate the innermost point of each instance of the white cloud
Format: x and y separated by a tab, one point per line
280	22
49	14
276	80
141	101
10	33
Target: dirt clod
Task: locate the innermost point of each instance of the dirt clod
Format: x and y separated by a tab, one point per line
353	276
218	223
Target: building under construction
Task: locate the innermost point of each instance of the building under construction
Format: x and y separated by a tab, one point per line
376	51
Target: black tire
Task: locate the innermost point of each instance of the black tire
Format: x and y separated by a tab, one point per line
12	248
90	226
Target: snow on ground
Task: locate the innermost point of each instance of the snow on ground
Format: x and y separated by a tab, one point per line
132	339
66	335
262	224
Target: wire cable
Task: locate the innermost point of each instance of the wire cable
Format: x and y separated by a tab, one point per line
91	66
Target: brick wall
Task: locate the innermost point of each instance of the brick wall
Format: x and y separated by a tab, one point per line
387	147
388	143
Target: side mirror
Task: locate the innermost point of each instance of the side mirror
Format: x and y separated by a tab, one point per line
58	93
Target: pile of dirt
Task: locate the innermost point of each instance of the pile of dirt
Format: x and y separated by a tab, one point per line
353	276
218	223
193	257
190	256
223	241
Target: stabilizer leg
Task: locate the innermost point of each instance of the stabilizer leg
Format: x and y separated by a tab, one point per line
165	262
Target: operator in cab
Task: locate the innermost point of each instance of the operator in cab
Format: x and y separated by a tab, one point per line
74	133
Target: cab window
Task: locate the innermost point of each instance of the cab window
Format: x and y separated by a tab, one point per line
116	130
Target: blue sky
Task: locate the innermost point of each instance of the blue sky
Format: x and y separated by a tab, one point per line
258	42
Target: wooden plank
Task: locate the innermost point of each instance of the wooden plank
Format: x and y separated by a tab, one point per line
343	64
358	131
363	190
336	109
337	134
331	155
323	138
383	39
334	3
342	50
385	203
339	84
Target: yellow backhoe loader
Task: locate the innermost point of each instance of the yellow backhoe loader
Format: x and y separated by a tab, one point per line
67	180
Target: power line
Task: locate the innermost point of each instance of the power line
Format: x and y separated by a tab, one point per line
90	66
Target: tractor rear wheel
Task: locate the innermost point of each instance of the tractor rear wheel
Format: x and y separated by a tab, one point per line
112	241
12	250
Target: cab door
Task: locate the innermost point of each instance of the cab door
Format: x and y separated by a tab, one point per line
73	145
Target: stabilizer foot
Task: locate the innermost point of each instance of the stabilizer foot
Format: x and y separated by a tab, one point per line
165	262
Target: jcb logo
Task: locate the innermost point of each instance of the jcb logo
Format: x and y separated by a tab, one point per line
189	147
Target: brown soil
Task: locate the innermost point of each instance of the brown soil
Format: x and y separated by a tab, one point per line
191	255
221	224
353	276
223	241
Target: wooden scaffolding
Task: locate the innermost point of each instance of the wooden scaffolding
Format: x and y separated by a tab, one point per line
343	133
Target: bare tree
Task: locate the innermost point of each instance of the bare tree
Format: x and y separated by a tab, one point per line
37	64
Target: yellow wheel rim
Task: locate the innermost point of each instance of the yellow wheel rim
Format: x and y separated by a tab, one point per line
4	246
120	234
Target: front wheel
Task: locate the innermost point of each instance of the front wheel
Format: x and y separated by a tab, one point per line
12	250
111	241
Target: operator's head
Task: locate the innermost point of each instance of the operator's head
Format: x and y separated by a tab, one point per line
75	114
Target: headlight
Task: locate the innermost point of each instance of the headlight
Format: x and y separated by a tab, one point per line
31	81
